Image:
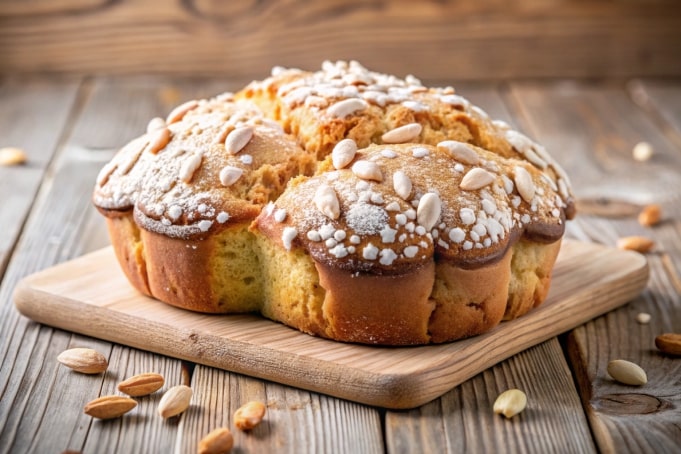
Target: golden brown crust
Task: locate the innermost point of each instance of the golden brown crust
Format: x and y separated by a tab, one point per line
127	245
428	223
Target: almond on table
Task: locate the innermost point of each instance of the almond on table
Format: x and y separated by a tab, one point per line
249	415
627	372
175	401
650	215
640	244
108	407
84	360
12	156
510	403
669	343
142	384
219	441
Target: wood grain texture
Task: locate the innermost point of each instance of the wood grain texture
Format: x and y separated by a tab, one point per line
661	99
444	39
588	281
296	421
25	105
41	404
601	124
463	421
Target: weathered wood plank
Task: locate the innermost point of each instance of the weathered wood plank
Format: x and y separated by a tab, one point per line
591	129
553	421
472	40
296	421
41	405
662	100
463	420
33	115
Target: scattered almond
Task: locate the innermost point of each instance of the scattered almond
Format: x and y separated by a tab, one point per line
429	210
107	407
627	372
343	108
175	401
643	318
367	170
219	441
180	111
326	201
141	384
640	244
402	134
650	215
343	153
669	343
510	403
83	360
12	156
158	139
249	415
476	178
642	151
238	138
460	151
155	123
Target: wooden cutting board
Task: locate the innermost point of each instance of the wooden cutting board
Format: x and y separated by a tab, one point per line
90	295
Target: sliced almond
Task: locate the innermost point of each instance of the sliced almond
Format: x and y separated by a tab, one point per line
402	184
219	441
155	124
180	111
429	210
367	170
107	407
230	175
12	156
460	151
627	372
402	134
650	215
190	166
249	415
524	183
476	178
141	384
636	243
343	108
343	153
510	403
84	360
669	343
326	201
175	401
238	138
158	139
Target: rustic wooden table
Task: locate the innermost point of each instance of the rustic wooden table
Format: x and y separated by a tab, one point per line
71	127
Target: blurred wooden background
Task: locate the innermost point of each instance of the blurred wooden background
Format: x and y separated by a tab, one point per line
435	39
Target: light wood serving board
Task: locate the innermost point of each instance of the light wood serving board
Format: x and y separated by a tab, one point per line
90	295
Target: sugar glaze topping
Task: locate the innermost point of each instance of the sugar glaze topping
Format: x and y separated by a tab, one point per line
378	225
